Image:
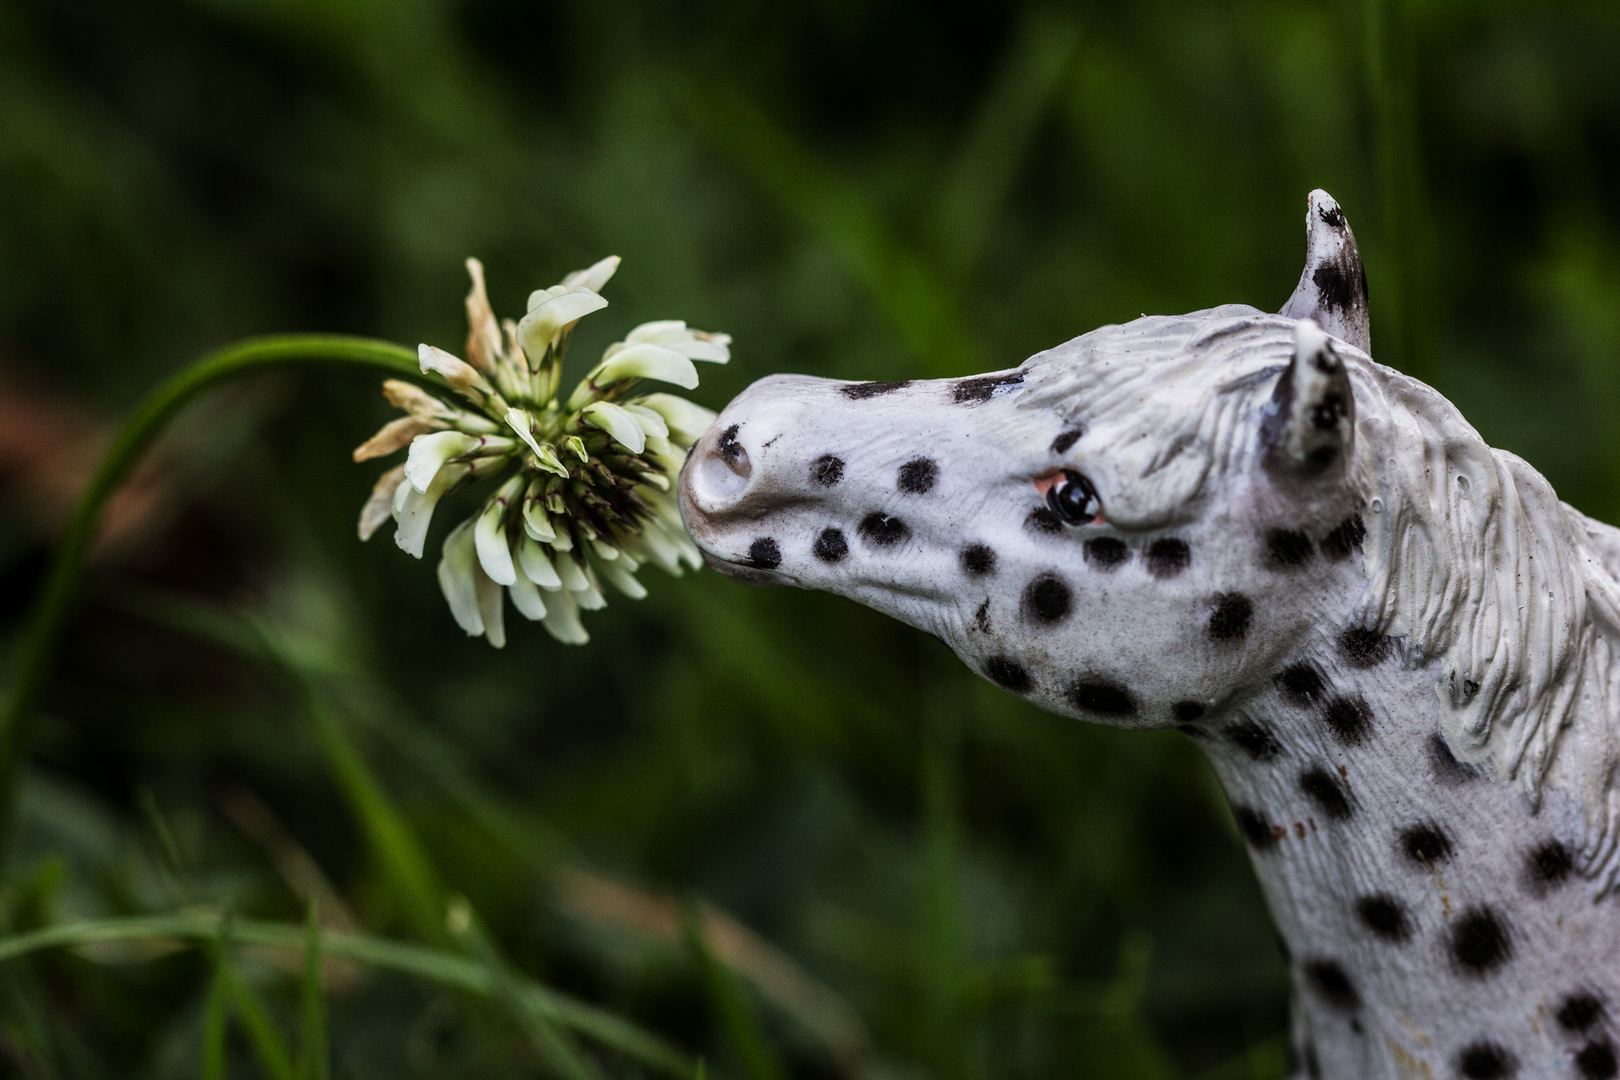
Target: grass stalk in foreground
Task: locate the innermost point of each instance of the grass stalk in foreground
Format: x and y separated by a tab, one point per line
46	621
420	961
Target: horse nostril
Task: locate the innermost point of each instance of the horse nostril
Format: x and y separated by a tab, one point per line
724	472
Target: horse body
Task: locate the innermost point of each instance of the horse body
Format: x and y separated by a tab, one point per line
1394	644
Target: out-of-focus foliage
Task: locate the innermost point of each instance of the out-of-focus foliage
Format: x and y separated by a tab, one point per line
252	709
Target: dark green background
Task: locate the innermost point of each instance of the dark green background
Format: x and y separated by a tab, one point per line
850	189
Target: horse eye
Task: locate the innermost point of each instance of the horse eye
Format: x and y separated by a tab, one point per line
1073	499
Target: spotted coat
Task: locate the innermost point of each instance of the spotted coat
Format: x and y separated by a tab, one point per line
1397	648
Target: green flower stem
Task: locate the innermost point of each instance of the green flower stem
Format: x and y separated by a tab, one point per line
538	1002
44	627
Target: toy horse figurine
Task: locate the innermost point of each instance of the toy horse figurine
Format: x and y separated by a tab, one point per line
1397	647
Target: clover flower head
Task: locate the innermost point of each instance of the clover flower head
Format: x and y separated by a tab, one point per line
579	491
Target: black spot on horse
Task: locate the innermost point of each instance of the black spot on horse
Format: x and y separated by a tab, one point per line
1578	1012
1102	696
975	391
1253	739
830	546
978	560
1331	215
1327	793
1301	684
881	530
1596	1060
1009	674
1363	648
1486	1061
1333	286
1426	844
861	391
1549	866
1479	942
826	470
764	554
981	617
1231	617
1046	599
730	448
1345	538
1329	980
1061	444
1255	828
1042	520
1350	718
1167	557
1445	766
1186	712
1106	552
918	475
1287	549
1384	916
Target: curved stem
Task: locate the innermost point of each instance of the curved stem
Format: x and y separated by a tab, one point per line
44	627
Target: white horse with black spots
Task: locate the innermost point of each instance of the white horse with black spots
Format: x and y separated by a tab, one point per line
1397	647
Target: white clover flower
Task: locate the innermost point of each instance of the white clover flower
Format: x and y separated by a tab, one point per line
581	492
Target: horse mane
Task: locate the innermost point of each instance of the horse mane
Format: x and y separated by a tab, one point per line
1474	560
1470	556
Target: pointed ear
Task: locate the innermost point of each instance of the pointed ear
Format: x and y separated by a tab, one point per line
1332	290
1309	431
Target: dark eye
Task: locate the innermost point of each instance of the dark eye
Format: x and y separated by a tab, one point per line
1073	499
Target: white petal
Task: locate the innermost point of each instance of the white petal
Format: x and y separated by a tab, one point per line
650	421
526	598
458	571
458	373
589	598
562	621
536	522
687	421
540	296
577	445
394	435
659	332
430	452
492	608
413	399
705	349
380	506
536	566
571	576
542	324
619	576
593	277
603	550
493	554
551	462
617	423
523	424
413	510
646	362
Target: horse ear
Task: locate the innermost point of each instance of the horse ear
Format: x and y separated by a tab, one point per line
1332	289
1309	431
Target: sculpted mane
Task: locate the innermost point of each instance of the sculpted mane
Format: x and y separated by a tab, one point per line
1470	555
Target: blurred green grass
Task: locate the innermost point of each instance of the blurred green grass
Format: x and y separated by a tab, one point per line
871	191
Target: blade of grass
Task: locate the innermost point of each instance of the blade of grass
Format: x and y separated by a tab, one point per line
559	1053
425	962
312	1063
261	1031
738	1018
1031	73
400	855
214	1022
904	285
